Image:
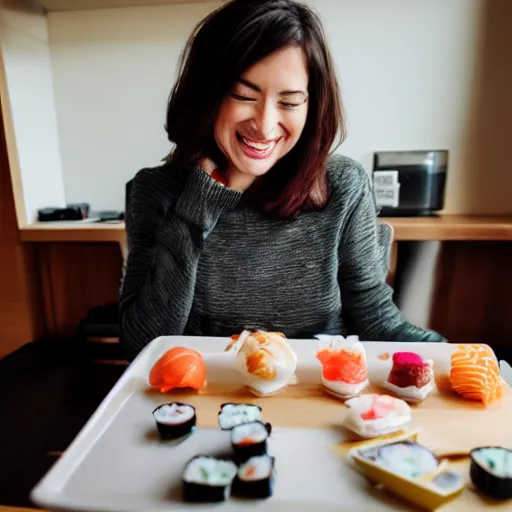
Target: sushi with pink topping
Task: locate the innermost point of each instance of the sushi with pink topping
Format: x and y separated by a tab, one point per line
373	415
411	377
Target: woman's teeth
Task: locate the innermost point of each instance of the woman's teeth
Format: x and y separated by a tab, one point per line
259	146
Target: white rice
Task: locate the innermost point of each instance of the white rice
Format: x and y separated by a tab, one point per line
496	461
238	414
174	414
210	471
256	468
257	432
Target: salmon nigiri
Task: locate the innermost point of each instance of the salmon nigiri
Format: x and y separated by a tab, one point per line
179	367
475	374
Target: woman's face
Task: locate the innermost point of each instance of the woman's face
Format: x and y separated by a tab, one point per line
263	117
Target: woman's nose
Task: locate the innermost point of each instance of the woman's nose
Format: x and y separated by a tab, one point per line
267	120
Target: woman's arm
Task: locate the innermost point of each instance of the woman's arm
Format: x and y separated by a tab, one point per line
367	300
165	239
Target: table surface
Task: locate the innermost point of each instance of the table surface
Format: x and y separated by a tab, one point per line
442	228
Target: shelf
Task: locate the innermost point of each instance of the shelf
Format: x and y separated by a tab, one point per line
442	228
77	5
452	228
73	232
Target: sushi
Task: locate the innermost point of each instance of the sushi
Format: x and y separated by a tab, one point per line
411	377
231	415
208	479
373	415
179	367
255	478
344	367
475	373
175	420
491	471
249	440
407	459
265	360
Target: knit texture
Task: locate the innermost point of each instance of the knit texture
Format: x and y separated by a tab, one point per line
203	262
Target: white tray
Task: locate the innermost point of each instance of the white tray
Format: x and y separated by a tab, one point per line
118	464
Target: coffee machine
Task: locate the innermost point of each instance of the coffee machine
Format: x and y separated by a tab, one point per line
410	183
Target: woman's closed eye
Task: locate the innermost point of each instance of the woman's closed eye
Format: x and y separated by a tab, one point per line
285	104
241	97
291	106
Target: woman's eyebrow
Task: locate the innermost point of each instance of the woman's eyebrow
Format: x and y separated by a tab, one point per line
254	87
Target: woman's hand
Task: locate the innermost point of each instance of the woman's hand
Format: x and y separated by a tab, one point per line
207	165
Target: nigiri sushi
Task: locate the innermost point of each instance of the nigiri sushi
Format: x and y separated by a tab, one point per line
179	367
411	377
265	360
344	367
475	373
373	415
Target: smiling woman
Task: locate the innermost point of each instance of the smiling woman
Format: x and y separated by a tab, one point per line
252	222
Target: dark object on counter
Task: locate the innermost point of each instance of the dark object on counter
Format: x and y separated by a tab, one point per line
108	215
77	211
410	183
491	471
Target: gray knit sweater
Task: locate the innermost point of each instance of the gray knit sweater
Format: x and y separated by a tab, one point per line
202	262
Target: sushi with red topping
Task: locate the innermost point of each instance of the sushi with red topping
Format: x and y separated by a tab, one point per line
344	367
411	377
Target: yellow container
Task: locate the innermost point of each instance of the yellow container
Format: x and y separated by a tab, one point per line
426	492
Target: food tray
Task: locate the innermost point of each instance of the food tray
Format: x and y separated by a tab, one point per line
117	463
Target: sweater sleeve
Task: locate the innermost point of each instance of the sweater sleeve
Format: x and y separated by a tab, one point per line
367	299
164	246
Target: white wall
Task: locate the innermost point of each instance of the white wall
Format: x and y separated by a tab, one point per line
113	72
31	129
406	67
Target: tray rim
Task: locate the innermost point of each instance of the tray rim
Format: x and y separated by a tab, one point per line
46	493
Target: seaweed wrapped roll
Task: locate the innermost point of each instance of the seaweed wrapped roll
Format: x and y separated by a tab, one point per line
207	479
249	439
255	478
174	420
231	415
491	471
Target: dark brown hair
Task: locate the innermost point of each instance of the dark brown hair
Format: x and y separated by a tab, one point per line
221	48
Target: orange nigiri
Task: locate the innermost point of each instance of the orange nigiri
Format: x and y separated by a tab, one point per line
475	374
179	367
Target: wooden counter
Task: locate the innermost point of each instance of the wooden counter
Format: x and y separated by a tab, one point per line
442	228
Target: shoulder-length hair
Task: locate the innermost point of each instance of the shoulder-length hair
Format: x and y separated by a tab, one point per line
221	48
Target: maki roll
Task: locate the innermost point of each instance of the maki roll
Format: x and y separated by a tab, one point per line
491	471
411	378
174	420
404	458
249	440
231	415
207	479
255	478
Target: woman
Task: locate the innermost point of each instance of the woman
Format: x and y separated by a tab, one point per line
252	223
